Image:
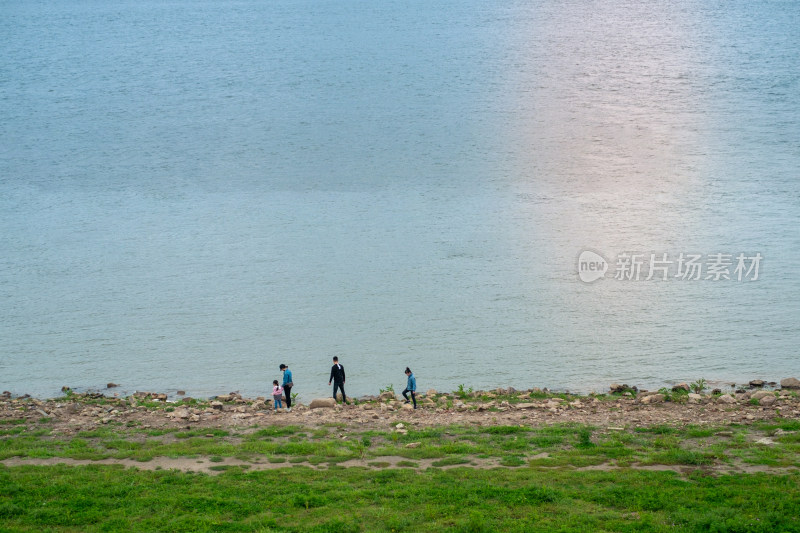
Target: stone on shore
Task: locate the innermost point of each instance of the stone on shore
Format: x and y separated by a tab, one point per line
323	403
767	400
681	386
653	398
757	383
790	383
726	398
695	398
761	394
621	389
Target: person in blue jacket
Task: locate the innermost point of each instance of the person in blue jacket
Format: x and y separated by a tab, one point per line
287	386
411	387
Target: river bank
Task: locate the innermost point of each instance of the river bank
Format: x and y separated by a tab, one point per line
622	406
517	460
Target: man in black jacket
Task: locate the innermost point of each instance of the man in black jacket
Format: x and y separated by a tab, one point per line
337	376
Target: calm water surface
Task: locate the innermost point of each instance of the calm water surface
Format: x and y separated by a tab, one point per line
193	192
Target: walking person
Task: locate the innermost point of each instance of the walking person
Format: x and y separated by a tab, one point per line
337	376
287	386
277	392
411	386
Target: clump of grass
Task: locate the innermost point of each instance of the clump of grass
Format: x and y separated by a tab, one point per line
698	386
504	430
275	431
451	461
512	461
585	438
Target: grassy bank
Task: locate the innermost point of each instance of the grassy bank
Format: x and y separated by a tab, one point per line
773	443
110	498
338	477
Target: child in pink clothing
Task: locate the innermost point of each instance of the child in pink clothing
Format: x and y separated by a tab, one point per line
277	394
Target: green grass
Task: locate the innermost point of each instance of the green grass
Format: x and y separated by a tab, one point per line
534	488
512	461
109	498
557	445
451	461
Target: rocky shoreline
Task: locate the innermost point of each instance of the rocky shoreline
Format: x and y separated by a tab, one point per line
622	406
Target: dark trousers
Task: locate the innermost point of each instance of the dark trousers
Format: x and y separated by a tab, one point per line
288	392
413	397
340	386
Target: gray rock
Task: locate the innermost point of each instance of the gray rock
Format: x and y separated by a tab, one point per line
323	403
767	400
757	383
761	394
695	398
726	398
790	383
216	405
653	398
